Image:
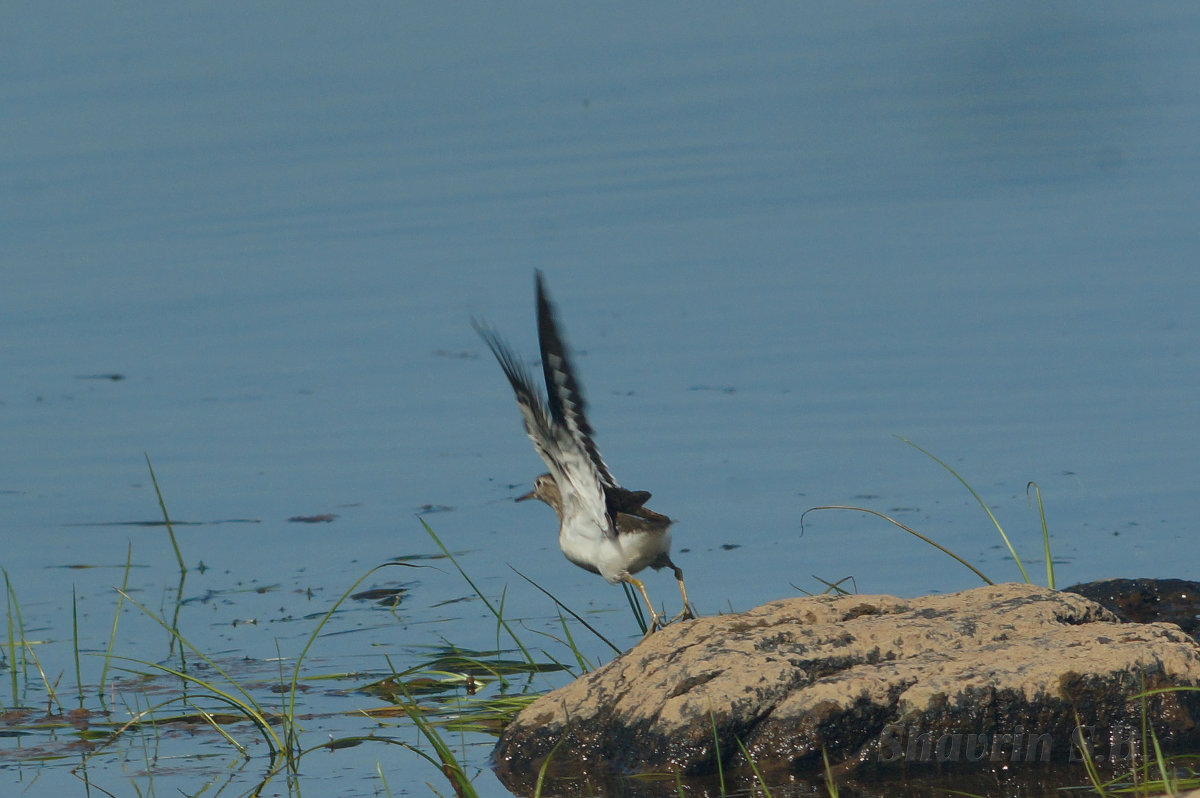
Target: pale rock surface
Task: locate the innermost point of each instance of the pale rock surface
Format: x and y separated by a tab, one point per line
1001	674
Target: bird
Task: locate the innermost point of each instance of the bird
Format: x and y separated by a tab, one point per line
603	527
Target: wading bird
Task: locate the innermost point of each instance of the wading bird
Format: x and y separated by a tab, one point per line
603	527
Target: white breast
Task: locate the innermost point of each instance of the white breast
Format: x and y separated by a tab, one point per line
585	544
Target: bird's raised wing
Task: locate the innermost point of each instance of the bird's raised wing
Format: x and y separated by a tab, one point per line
564	395
580	484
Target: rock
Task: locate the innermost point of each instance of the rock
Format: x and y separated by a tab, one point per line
1146	600
1004	674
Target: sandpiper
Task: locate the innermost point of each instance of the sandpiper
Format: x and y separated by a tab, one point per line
603	527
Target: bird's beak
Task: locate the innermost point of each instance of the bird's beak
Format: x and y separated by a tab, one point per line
530	495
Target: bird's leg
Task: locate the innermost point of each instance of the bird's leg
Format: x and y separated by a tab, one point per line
687	613
656	621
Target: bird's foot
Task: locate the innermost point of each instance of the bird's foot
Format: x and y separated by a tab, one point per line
688	613
656	623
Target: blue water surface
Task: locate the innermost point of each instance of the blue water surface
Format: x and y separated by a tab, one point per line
779	236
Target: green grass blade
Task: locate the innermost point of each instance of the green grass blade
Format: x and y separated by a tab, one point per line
754	766
580	660
830	783
717	751
51	692
1045	534
219	729
570	611
112	636
166	517
979	499
75	646
183	641
495	613
636	606
12	639
1089	764
446	761
909	530
291	705
541	776
500	624
383	780
146	715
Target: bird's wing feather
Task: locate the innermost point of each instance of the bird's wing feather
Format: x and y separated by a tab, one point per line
538	422
564	395
569	463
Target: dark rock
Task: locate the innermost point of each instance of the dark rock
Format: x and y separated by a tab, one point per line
1174	601
1003	674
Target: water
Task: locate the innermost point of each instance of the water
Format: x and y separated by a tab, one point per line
778	237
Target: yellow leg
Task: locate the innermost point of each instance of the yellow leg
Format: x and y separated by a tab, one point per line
656	621
687	613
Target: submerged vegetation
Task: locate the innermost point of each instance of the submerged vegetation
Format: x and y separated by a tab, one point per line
239	724
119	724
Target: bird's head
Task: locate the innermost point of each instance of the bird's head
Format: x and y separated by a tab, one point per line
544	489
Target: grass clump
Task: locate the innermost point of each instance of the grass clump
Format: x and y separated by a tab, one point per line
143	708
1031	488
